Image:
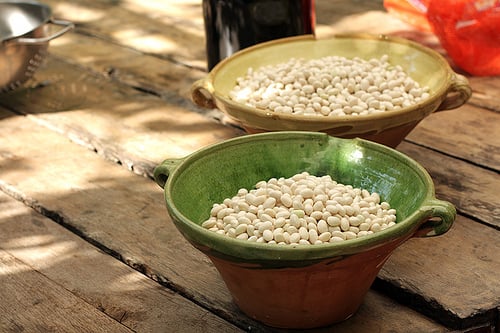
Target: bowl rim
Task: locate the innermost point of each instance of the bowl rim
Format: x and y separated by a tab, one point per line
326	121
294	253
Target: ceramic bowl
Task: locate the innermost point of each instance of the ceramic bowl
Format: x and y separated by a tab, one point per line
448	90
301	286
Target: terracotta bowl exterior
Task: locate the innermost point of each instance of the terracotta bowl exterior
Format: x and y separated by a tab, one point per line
448	90
308	285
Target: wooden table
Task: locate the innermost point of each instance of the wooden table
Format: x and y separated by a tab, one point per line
85	241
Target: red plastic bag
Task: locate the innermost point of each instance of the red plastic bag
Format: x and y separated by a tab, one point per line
469	31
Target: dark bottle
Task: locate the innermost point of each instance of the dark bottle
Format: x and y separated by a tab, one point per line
232	25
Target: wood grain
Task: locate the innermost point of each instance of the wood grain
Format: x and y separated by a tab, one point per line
471	189
468	133
133	128
461	273
113	97
59	282
137	231
33	303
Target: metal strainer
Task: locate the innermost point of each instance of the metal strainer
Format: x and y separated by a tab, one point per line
24	40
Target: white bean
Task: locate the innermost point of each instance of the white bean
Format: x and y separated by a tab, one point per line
304	233
270	202
286	199
243	236
301	86
333	221
320	211
313	236
295	237
267	235
325	236
322	226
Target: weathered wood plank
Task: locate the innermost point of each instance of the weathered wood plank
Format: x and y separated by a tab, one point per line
153	27
98	53
119	129
461	268
128	299
132	128
172	82
138	130
33	303
92	196
471	189
160	37
486	92
60	281
146	67
469	133
379	313
89	44
150	73
170	30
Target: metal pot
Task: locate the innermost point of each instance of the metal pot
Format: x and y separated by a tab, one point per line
24	38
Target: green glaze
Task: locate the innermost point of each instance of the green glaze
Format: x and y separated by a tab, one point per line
193	184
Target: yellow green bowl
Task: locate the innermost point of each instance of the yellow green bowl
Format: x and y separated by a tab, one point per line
269	281
448	90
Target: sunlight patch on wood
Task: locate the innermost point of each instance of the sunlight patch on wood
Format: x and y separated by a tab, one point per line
146	43
40	248
74	12
181	8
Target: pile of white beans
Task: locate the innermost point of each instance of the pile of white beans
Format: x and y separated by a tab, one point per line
302	209
329	86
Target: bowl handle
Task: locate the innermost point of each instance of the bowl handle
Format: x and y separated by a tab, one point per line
201	93
164	169
441	216
458	93
66	26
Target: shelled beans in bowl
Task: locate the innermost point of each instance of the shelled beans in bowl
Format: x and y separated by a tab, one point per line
301	210
373	87
306	187
329	86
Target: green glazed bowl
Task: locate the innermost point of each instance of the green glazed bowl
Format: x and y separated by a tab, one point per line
193	184
448	90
